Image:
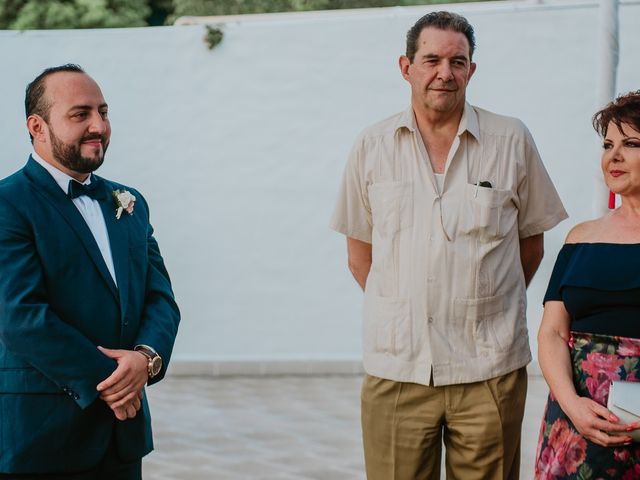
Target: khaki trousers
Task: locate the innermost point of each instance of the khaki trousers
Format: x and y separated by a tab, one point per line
405	424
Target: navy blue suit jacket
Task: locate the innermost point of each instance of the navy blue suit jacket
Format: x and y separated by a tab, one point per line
57	303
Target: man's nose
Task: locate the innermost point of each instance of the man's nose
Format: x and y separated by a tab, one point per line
444	72
98	124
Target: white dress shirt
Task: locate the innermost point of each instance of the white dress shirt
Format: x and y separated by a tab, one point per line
90	211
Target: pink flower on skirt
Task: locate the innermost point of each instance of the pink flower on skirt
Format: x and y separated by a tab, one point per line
621	455
632	474
605	363
598	388
629	347
565	452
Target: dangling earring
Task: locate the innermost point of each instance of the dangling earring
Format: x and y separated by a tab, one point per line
612	200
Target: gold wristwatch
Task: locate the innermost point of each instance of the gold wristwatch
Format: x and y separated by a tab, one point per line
155	361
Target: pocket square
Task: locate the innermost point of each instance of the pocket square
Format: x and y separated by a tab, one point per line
624	402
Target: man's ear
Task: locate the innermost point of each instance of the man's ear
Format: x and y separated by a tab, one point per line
472	70
404	63
37	127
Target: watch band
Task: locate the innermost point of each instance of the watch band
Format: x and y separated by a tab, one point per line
154	364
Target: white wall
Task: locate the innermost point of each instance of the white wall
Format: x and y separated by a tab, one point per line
239	150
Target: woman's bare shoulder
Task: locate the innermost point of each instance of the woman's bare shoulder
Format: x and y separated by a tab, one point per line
585	232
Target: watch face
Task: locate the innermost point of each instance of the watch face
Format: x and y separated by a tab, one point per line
156	366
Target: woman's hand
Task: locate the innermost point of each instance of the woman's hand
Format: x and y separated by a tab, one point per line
596	423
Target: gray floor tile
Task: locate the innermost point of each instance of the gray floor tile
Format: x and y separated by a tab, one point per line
274	428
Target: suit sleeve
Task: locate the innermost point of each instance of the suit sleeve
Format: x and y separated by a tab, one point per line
160	316
30	330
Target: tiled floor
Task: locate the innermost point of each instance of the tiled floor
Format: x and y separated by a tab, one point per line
273	428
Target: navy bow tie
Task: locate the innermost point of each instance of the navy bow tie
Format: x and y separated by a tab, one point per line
94	190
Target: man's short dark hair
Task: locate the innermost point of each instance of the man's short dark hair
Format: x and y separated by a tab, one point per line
441	21
35	101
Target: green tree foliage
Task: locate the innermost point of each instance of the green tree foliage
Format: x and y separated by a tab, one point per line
228	7
160	10
51	14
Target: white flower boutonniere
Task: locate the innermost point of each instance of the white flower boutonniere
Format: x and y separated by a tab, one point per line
124	202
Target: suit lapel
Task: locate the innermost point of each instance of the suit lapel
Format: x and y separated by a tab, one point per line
119	241
49	189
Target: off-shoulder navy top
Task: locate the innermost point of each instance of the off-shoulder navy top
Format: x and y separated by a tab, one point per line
599	284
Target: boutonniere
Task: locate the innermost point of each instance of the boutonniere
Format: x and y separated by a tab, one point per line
124	202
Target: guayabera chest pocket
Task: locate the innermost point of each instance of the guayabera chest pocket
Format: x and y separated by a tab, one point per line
486	212
391	206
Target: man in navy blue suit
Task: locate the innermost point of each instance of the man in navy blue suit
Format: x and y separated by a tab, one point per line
87	313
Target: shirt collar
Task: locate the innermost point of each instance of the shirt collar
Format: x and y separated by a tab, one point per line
468	121
61	178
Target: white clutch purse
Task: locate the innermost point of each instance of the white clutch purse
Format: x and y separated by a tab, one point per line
624	402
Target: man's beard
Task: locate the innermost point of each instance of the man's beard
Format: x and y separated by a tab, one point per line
70	157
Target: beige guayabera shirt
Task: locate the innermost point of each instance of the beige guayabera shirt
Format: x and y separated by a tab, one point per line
446	293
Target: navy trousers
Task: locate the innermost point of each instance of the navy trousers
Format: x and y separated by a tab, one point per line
111	467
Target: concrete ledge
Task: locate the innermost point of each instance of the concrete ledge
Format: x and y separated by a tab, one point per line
230	368
239	368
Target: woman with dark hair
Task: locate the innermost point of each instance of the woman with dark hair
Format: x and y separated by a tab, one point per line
590	331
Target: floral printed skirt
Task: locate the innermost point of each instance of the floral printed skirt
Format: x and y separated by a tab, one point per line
562	452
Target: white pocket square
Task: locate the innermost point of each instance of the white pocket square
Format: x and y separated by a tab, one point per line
624	402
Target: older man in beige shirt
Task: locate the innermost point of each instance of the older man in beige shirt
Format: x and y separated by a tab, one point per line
444	207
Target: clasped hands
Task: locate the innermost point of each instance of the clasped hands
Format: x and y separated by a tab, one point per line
122	390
